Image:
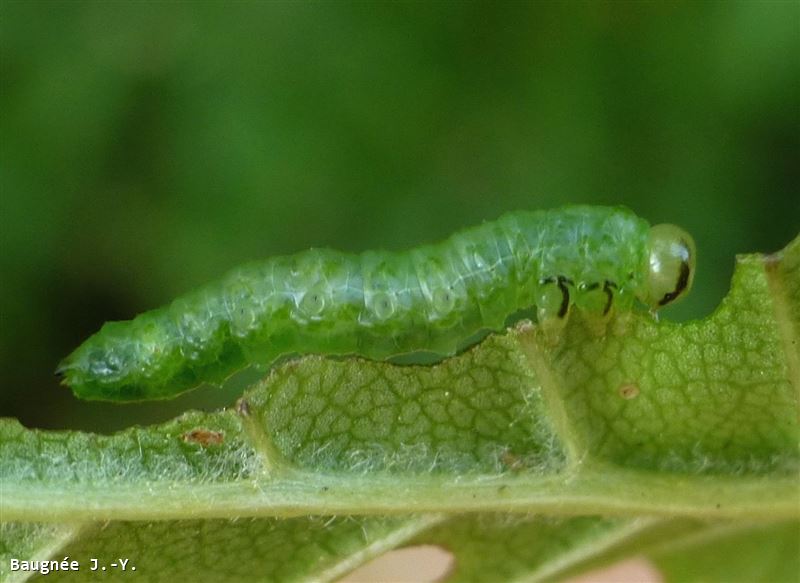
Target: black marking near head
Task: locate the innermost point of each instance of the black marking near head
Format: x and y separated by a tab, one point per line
561	282
562	285
683	282
610	294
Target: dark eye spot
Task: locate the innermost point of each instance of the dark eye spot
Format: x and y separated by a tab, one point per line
680	286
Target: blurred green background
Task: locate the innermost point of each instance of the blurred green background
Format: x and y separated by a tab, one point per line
149	147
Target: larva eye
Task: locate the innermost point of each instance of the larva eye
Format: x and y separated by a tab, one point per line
671	264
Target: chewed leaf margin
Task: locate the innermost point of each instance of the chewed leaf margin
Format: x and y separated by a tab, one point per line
693	425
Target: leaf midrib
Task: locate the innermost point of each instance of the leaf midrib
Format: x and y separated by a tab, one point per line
594	489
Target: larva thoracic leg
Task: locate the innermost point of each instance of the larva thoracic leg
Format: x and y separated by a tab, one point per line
382	304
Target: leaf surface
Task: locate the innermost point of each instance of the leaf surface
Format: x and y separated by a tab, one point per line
532	456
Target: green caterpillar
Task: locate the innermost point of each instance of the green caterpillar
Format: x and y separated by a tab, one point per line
382	304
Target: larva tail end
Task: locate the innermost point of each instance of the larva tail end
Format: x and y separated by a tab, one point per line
62	372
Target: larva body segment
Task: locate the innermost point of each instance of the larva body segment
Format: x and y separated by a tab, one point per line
375	304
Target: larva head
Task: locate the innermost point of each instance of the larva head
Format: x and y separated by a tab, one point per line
671	261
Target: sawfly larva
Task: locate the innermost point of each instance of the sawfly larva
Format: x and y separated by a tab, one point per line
378	304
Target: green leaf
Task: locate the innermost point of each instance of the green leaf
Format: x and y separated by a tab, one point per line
536	455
